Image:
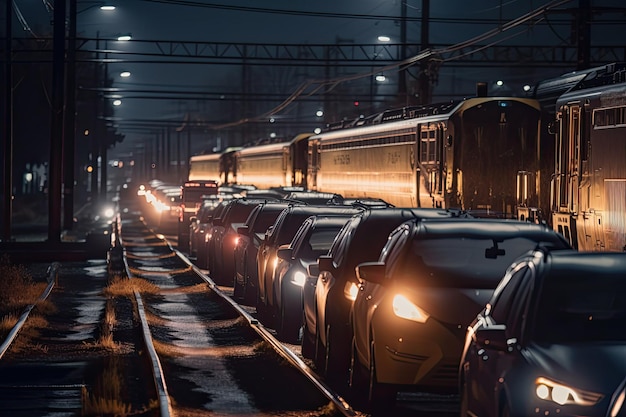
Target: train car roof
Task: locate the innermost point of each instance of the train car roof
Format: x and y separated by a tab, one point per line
409	117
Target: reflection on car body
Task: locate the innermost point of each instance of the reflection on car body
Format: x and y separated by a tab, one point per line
414	305
251	234
551	340
314	238
327	335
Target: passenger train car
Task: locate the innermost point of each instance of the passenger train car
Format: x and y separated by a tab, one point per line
481	154
218	167
589	184
491	156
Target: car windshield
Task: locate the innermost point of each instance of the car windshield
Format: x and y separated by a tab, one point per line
461	262
576	307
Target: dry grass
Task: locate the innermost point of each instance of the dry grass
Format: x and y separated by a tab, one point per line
17	288
107	391
125	287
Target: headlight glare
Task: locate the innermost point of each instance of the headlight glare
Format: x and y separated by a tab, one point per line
350	290
562	394
404	308
299	278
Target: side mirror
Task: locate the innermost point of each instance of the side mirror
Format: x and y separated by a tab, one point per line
325	263
313	269
285	252
371	272
492	337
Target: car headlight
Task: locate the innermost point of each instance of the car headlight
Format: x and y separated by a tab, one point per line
299	278
404	308
350	290
562	394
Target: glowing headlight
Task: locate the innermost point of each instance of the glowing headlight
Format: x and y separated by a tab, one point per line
562	394
299	278
109	212
405	309
350	290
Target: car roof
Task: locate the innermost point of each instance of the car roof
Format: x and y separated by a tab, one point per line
592	263
494	228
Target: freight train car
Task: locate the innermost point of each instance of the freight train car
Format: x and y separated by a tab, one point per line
589	184
481	154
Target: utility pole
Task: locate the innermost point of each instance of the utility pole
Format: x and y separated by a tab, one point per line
70	125
583	33
424	79
8	129
56	132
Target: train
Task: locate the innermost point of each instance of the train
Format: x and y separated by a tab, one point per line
557	157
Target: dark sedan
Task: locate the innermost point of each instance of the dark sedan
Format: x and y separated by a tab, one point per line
551	341
414	305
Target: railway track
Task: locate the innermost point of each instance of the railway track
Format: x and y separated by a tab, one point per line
180	346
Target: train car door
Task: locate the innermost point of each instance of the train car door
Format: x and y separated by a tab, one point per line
313	163
429	165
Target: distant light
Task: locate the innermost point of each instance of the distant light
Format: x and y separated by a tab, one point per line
28	177
124	38
272	120
319	113
317	130
89	168
117	102
499	83
526	87
356	103
383	38
272	135
125	74
107	8
380	78
86	132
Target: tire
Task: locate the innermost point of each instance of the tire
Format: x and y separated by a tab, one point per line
238	290
288	327
380	396
307	343
319	358
464	400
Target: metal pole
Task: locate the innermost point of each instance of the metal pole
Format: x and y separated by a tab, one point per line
56	134
8	129
70	125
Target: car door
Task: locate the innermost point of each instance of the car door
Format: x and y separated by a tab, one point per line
489	365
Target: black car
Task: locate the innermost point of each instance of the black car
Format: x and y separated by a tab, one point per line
328	298
224	238
414	304
314	238
551	341
280	233
251	235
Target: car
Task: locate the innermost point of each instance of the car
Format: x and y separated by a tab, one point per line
280	233
251	234
314	197
314	238
328	297
551	340
224	238
202	251
199	222
414	304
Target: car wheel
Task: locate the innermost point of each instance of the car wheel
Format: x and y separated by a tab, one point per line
320	354
505	411
308	344
237	289
380	396
464	400
288	326
357	380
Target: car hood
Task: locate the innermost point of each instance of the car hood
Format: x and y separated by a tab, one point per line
591	366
